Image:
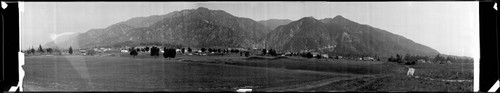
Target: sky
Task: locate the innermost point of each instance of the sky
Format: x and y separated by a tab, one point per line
448	27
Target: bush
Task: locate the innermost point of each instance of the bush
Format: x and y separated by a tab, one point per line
169	53
203	49
133	53
155	51
247	54
309	55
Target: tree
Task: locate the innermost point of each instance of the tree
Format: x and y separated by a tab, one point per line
169	53
32	50
272	52
70	50
49	50
203	49
40	49
407	57
309	55
438	58
146	48
182	50
155	51
166	52
318	56
247	54
449	58
264	51
133	53
398	58
189	50
91	52
152	52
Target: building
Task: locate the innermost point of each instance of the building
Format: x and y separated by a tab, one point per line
84	52
421	61
315	54
124	51
325	56
368	59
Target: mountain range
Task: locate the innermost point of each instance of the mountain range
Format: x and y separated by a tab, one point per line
273	23
342	36
203	27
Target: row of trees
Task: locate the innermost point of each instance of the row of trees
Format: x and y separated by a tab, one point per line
155	52
40	50
411	59
270	52
183	50
171	52
456	59
407	57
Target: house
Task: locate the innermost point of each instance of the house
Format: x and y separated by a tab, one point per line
315	54
324	55
368	59
124	51
84	52
421	61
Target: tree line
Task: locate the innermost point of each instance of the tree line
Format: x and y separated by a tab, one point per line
172	51
412	59
41	50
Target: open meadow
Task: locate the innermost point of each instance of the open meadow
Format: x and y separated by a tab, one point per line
121	72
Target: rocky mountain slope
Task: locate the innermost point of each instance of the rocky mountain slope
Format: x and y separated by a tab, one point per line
199	27
203	27
271	24
341	36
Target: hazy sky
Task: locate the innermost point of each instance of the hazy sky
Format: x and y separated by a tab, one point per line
448	27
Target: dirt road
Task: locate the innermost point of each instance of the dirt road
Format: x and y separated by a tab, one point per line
310	85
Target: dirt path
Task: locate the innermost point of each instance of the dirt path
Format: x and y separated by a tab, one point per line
445	80
309	85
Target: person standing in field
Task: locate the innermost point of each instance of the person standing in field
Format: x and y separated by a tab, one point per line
410	72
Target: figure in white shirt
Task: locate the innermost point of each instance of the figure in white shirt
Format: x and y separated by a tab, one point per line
410	72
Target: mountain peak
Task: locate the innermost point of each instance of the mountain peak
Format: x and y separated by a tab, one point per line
342	20
308	18
339	16
202	8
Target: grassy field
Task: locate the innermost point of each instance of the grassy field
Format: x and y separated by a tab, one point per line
459	71
295	63
82	73
396	83
121	72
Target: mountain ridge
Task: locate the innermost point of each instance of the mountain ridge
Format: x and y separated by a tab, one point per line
248	30
202	27
341	36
